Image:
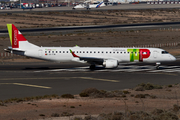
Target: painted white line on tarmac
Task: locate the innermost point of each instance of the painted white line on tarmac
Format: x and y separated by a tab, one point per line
106	80
121	68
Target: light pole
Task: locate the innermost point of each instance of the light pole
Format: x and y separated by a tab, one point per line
20	4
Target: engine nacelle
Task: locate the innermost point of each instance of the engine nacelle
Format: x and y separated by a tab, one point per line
110	63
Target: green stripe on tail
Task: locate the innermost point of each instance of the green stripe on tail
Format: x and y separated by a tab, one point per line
9	26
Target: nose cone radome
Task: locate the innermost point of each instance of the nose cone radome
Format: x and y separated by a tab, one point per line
173	58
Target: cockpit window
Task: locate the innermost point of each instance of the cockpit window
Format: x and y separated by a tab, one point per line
164	52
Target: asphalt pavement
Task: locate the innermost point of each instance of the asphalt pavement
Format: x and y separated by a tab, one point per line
33	79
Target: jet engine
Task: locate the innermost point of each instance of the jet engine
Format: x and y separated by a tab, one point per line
110	63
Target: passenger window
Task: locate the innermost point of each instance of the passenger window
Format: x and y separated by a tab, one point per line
117	52
83	52
52	51
45	51
63	51
121	52
56	51
49	51
124	52
94	52
59	51
113	52
80	52
109	52
106	52
102	52
87	51
90	52
67	51
98	51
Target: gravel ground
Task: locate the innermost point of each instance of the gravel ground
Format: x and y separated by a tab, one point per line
40	109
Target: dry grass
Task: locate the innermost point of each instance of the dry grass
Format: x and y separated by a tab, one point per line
74	18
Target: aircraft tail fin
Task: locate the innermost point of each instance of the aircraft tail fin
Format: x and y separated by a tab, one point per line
101	4
18	41
15	36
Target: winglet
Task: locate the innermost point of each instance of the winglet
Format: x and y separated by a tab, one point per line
74	55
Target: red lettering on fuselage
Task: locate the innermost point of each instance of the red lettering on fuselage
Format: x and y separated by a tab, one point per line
143	53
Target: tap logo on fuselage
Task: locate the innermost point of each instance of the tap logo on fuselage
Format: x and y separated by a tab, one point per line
138	54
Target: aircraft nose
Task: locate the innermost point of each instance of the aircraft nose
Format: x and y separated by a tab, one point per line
173	58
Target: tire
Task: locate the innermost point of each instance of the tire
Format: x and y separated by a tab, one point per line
92	67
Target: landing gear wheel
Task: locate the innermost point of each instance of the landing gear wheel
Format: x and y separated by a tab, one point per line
92	67
157	67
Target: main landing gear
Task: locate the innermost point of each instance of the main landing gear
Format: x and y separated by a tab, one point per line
92	67
157	65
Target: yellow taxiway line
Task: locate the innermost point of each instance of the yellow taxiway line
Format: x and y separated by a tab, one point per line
38	86
29	85
88	78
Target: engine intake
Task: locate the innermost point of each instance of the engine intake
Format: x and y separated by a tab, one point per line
110	63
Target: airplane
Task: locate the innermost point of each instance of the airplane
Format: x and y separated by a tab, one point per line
82	5
89	6
108	57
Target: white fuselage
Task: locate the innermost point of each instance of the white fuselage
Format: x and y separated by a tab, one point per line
62	54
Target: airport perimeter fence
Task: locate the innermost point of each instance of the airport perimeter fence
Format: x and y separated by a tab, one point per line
162	2
6	55
9	55
156	45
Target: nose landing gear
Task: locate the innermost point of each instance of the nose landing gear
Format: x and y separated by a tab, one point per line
157	65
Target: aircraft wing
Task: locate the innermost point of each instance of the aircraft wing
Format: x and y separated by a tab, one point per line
91	60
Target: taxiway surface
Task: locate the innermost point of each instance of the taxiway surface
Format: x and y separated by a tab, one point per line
36	79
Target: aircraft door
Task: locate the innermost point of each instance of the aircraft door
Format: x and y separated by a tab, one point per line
87	5
155	54
40	52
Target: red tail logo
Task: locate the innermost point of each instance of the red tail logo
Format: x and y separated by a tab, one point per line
16	37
